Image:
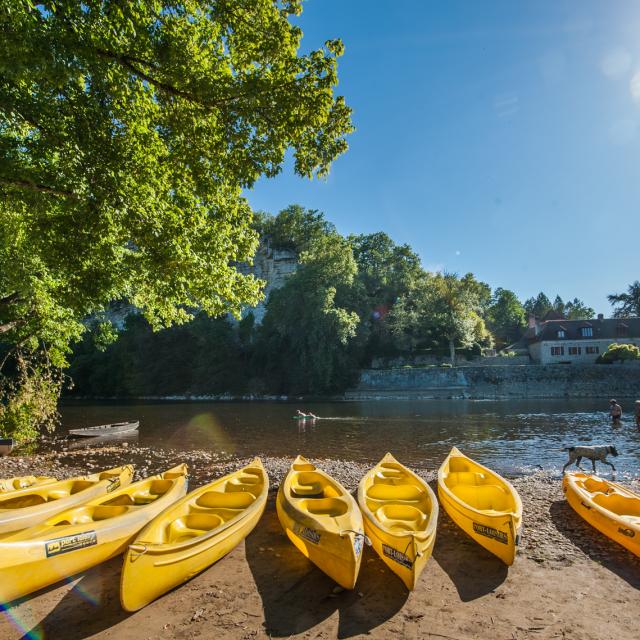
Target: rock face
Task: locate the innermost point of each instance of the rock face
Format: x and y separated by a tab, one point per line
273	266
526	381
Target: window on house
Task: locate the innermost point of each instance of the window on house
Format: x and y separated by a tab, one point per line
586	332
575	351
560	333
557	351
622	330
593	349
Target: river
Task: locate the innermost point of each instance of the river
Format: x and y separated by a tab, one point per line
512	436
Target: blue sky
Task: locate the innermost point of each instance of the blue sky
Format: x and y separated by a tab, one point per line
496	137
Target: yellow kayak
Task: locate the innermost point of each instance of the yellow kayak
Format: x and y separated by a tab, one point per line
25	508
482	503
192	534
609	507
23	482
84	536
400	514
322	520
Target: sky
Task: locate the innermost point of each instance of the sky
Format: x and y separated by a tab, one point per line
497	137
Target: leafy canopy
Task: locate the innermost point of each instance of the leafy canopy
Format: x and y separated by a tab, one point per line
127	131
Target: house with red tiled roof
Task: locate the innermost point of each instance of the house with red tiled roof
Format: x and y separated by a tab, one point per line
558	340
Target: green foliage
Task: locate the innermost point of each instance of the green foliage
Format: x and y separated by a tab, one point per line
302	340
128	131
506	317
626	304
29	398
441	307
572	310
294	228
619	353
538	306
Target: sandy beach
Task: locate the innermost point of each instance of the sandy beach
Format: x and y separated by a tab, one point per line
568	581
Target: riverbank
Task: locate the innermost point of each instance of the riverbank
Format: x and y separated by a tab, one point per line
569	581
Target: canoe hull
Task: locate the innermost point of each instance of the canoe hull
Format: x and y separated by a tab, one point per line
332	540
499	534
105	429
45	554
625	532
482	503
25	508
400	513
23	482
151	570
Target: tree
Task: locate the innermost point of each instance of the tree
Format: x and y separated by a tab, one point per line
128	131
506	317
626	304
619	352
577	310
538	306
441	307
302	340
294	228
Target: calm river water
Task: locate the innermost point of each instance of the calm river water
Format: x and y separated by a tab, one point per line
512	436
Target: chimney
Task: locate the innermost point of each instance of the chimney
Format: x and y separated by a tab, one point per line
533	324
601	316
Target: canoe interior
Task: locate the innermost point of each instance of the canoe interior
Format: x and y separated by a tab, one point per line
478	488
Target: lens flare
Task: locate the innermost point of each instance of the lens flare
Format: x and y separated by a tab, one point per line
205	427
22	618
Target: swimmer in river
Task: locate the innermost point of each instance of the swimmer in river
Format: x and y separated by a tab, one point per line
615	412
304	416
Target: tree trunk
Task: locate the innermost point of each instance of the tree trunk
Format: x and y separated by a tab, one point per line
452	351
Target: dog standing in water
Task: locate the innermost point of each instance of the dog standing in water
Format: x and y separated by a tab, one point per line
592	453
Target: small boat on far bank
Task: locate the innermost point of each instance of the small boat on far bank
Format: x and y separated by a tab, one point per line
115	428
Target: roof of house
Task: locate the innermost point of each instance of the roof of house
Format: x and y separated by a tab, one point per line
603	329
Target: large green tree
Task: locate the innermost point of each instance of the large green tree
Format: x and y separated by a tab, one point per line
442	308
506	317
127	132
303	338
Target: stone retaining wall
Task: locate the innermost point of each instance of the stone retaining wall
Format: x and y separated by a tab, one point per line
526	381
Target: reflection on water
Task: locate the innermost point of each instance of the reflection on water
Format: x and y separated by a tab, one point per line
513	436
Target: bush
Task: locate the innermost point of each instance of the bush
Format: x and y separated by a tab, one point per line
619	353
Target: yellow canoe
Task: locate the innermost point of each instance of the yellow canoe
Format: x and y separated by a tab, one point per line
192	534
24	508
482	503
322	520
84	536
23	482
609	507
400	514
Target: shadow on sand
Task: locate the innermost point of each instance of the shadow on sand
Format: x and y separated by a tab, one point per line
472	569
91	606
596	545
296	595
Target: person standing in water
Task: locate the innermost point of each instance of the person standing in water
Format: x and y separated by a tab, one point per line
637	413
615	411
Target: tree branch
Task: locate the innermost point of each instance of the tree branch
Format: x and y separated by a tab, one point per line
33	186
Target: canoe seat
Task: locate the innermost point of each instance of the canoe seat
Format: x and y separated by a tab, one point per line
486	497
619	504
303	467
401	517
192	526
465	477
332	507
387	492
79	485
225	500
124	499
308	485
592	485
86	515
24	501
